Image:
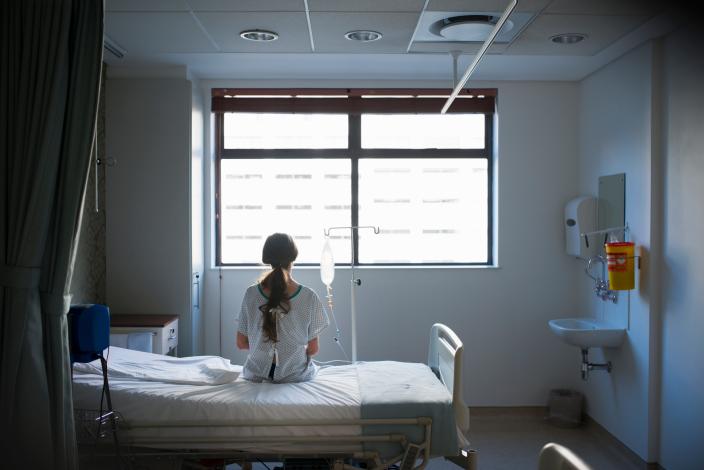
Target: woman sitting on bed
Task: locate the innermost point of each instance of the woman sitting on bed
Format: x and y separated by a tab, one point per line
280	320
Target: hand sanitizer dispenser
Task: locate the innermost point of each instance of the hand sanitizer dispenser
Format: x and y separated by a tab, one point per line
580	217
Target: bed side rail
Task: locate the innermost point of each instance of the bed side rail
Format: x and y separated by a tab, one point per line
445	359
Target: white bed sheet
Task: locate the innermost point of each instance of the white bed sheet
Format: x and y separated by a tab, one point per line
334	394
194	370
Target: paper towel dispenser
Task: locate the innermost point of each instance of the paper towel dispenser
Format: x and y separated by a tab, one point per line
580	217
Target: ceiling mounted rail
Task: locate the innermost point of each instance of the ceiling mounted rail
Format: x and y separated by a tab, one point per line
458	87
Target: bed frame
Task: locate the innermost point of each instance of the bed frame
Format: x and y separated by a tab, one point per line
444	359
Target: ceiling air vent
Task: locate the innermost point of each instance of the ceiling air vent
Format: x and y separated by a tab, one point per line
464	28
467	28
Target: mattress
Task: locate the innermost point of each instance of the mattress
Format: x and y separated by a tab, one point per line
336	393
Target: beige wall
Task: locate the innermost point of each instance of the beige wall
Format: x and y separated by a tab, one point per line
148	225
88	280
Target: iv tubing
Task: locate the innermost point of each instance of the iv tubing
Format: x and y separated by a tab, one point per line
334	320
354	284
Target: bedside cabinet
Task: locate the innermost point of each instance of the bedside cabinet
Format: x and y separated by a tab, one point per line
163	328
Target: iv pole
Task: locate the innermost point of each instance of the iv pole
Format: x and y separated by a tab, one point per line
356	282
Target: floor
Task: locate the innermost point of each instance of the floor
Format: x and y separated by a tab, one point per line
511	439
506	439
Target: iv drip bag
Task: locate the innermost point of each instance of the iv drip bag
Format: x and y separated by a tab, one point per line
327	264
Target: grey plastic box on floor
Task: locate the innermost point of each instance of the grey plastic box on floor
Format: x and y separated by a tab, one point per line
565	407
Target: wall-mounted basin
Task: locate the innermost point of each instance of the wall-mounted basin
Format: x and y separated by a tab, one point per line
587	332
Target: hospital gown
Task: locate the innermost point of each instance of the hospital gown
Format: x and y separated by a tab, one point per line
304	321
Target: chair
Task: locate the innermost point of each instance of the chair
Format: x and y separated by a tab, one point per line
556	457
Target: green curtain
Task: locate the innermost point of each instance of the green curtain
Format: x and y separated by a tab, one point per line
51	56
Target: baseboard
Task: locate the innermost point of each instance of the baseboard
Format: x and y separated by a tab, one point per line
512	411
601	431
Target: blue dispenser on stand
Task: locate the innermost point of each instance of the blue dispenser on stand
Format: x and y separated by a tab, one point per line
89	330
89	336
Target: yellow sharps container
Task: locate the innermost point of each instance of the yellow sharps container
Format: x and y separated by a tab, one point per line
620	260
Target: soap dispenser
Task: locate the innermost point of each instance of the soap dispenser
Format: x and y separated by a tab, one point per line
580	217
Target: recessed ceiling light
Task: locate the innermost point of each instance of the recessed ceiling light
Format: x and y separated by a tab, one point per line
568	38
259	35
363	36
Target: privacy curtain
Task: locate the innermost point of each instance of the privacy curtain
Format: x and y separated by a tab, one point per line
51	56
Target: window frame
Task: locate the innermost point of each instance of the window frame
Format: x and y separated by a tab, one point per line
354	152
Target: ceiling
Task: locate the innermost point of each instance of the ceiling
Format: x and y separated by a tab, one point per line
204	36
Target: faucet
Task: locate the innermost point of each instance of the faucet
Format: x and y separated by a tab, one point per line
601	287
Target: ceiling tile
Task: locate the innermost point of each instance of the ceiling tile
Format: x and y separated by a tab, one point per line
602	31
606	7
247	5
485	5
225	29
329	31
146	5
146	32
366	5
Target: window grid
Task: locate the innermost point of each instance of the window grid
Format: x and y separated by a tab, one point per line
355	152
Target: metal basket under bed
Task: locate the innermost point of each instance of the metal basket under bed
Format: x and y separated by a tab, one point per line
103	442
96	428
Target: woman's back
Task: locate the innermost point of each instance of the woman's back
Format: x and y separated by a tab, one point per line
294	329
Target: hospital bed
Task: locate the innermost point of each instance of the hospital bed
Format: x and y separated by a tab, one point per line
372	414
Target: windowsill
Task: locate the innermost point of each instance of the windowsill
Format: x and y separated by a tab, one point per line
360	268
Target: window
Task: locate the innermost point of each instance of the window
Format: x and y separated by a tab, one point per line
429	210
301	165
299	196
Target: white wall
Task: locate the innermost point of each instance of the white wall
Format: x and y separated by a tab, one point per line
147	199
501	314
682	416
197	221
615	137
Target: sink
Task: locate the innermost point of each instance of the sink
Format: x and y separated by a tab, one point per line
587	332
